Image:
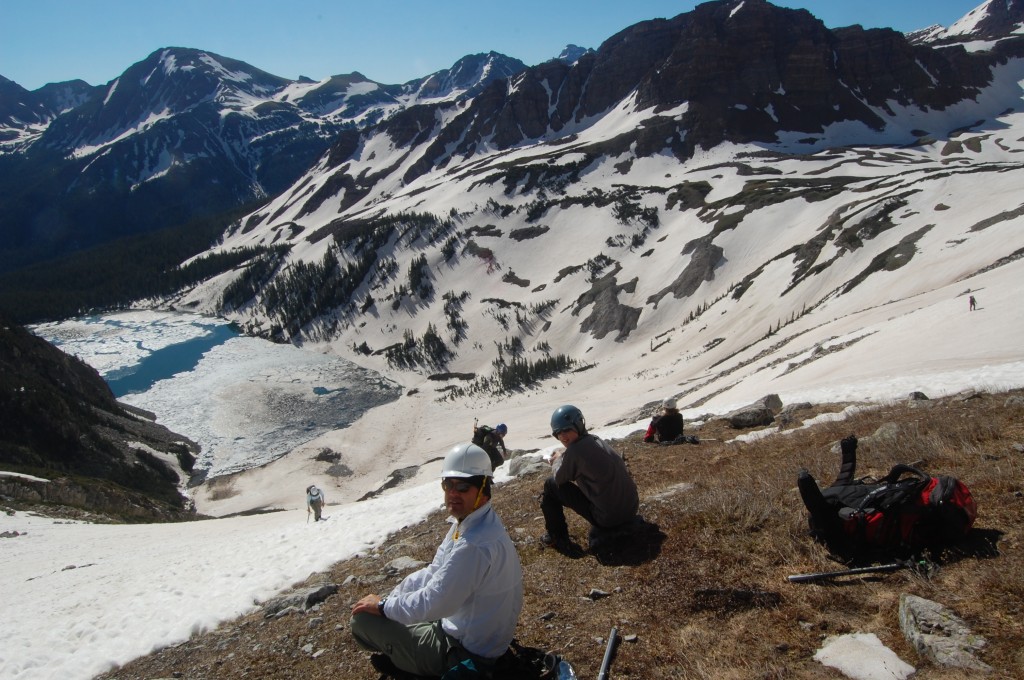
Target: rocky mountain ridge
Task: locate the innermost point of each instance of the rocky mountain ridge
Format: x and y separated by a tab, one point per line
991	20
743	76
22	111
184	133
738	159
154	142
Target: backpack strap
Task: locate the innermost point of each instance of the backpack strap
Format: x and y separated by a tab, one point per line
849	466
897	471
892	492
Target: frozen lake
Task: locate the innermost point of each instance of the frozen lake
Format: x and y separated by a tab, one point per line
245	401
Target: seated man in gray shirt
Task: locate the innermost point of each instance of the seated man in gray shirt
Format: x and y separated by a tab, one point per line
590	477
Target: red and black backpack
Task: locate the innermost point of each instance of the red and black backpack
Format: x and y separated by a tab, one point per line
907	509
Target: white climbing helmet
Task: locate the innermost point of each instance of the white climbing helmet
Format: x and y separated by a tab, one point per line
670	402
466	460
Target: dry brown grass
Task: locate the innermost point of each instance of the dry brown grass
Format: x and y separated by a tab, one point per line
711	599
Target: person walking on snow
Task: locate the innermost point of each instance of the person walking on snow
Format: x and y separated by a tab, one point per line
971	303
461	609
590	477
314	502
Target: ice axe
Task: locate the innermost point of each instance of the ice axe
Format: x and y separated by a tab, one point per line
921	566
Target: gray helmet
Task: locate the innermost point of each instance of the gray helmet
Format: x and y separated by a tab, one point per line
568	417
669	402
466	460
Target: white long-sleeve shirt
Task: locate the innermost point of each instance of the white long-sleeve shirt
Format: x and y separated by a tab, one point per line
474	586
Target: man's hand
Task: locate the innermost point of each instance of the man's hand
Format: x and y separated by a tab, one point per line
556	456
367	605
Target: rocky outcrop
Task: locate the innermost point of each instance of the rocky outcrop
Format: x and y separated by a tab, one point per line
60	421
758	414
940	635
88	499
299	600
746	71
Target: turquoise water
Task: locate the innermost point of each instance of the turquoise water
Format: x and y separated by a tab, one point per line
166	362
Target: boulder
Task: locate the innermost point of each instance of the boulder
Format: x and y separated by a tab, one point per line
757	414
940	635
521	465
788	414
404	563
300	600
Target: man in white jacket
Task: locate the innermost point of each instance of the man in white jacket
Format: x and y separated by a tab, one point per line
464	606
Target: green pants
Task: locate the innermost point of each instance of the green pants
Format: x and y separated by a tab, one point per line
422	648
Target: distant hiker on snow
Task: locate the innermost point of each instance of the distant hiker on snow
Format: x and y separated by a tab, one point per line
461	610
972	303
492	440
590	477
314	502
667	426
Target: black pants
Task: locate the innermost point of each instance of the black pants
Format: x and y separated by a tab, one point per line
558	496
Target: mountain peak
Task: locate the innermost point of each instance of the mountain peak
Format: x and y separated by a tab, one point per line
990	20
468	75
572	53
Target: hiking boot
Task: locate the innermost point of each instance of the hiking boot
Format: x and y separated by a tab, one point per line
383	664
562	544
552	541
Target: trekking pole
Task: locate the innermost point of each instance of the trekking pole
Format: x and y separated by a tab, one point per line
922	565
878	568
603	674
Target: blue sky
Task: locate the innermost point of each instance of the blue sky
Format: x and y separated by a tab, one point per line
390	41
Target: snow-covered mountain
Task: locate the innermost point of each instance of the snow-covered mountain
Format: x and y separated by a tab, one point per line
618	214
572	53
184	133
992	19
701	203
188	134
24	115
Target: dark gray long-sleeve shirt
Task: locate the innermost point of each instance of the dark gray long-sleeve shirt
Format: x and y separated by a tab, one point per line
600	473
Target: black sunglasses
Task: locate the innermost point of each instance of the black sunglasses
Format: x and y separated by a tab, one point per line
558	432
457	484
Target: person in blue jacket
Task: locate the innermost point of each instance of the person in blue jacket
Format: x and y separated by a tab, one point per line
463	607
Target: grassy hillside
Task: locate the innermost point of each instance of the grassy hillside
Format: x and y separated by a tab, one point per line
707	595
